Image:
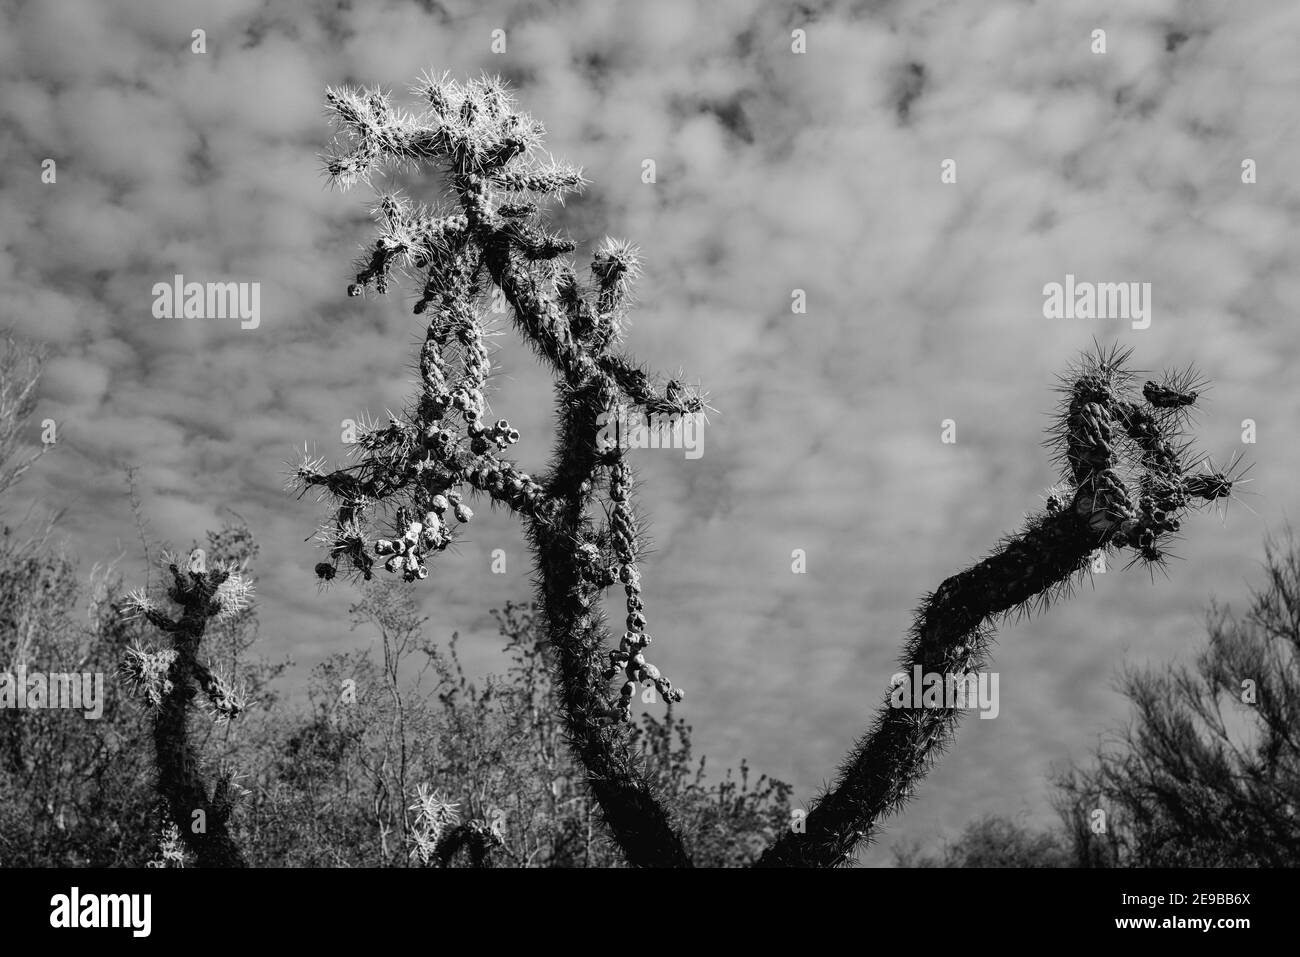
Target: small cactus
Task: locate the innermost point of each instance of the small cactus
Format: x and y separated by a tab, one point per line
169	680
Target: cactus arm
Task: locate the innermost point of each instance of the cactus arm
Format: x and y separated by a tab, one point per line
1100	437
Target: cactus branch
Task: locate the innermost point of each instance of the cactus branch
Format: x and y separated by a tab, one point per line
1101	436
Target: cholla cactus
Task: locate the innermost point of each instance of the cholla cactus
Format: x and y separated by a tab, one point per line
415	472
1128	478
171	849
434	814
438	835
169	680
476	838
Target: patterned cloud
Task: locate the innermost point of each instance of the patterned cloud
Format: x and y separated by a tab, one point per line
776	171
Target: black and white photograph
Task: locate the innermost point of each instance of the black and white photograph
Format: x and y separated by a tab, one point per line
649	435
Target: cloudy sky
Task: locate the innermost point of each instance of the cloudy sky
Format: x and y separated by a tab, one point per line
776	171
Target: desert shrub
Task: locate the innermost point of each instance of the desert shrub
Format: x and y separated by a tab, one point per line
404	760
993	840
1207	771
